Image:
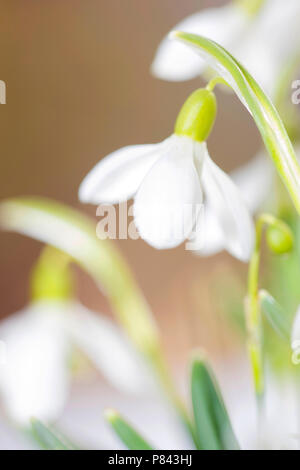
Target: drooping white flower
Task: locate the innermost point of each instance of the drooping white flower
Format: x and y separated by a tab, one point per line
224	25
169	182
34	374
34	378
251	39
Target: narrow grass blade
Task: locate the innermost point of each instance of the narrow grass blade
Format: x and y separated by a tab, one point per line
275	315
47	439
211	418
130	438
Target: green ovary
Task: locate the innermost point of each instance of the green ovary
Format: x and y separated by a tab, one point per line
197	116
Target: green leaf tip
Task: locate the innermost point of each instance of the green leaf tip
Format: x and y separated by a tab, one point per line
126	433
46	438
213	425
111	415
174	34
275	315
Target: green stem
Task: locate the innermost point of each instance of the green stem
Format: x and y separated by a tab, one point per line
253	317
216	81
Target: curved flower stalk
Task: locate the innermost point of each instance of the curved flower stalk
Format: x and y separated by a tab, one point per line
264	114
74	234
246	29
35	378
167	181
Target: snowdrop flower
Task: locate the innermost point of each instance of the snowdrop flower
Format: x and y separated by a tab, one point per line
168	181
249	37
34	374
35	377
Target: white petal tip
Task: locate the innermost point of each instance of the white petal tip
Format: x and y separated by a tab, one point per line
82	194
85	195
243	258
158	70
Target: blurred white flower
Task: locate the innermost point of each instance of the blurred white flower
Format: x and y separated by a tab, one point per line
270	430
295	338
264	43
35	378
167	181
224	25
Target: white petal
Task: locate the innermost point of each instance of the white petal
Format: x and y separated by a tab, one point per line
227	203
284	20
34	379
208	238
259	59
167	202
254	181
295	335
264	53
109	349
117	177
173	61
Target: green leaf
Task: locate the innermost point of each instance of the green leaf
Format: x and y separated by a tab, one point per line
48	439
275	315
252	96
131	438
213	425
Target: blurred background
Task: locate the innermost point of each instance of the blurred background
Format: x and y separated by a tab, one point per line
79	87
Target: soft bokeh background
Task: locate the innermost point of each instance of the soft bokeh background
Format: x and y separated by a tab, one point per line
78	87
